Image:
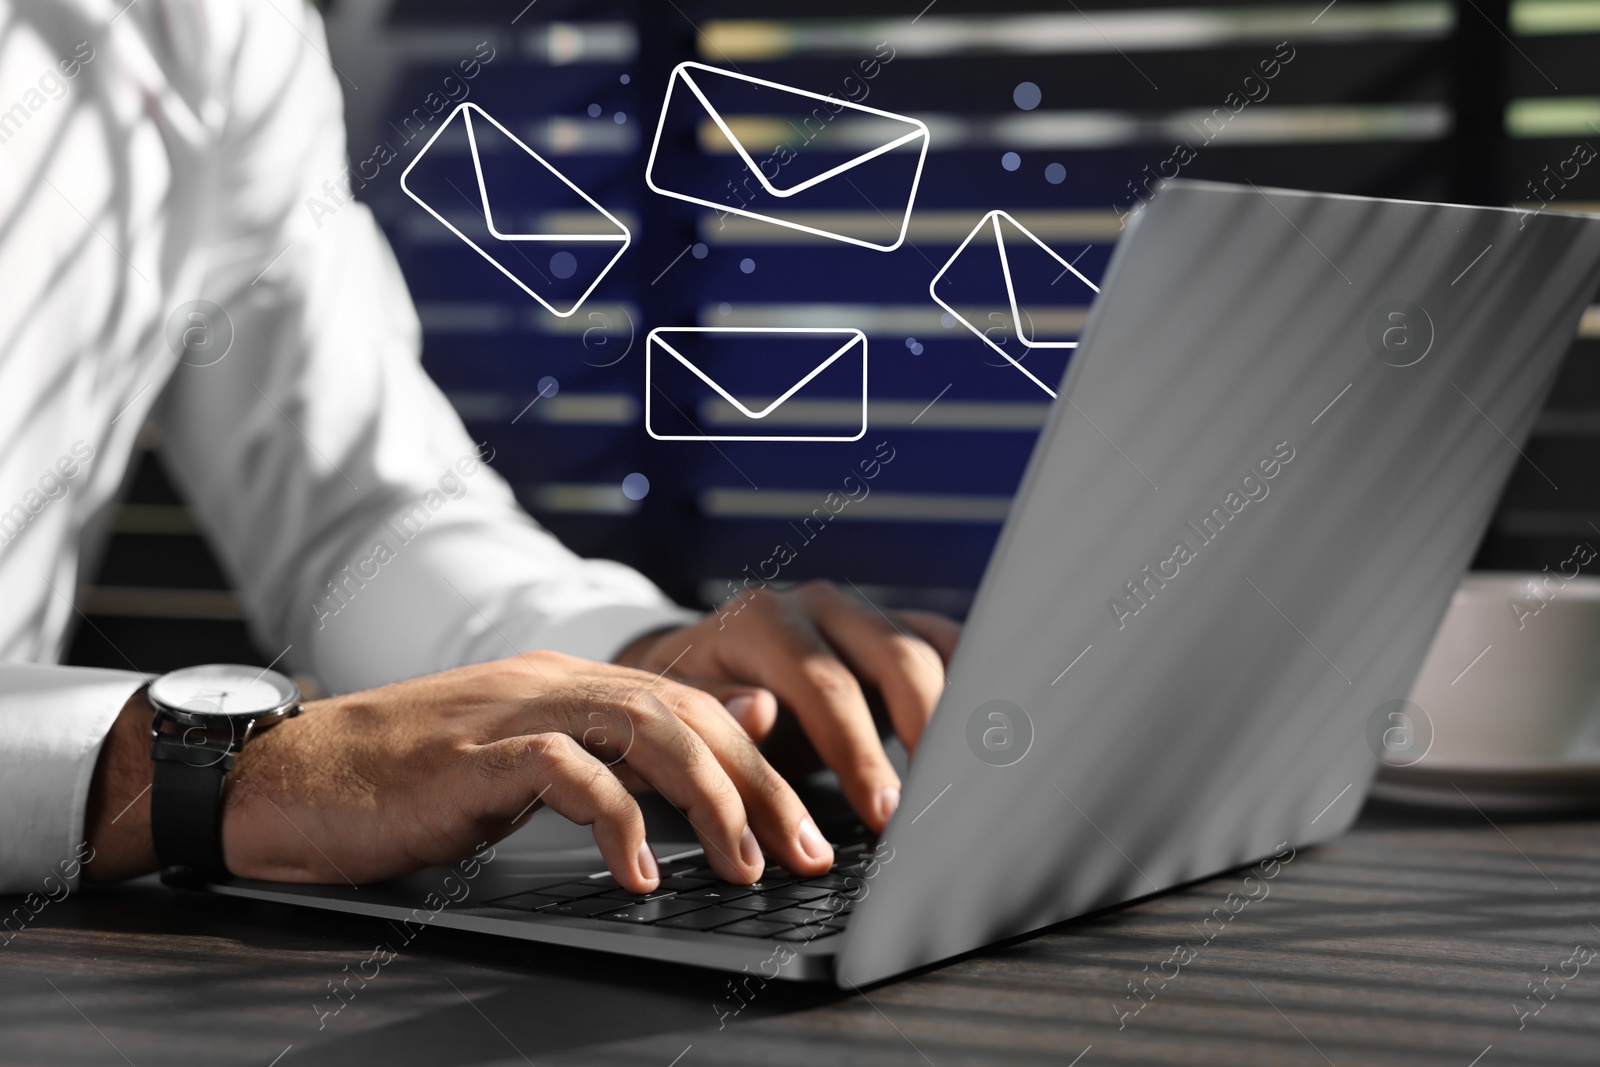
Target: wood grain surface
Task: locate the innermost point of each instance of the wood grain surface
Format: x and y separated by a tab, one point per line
1414	939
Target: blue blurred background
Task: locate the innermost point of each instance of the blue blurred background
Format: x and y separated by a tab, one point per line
1055	113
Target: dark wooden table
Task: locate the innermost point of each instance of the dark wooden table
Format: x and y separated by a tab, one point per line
1415	939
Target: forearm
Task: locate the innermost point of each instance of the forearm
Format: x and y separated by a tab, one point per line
117	821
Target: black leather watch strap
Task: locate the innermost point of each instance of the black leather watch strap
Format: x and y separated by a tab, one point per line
186	803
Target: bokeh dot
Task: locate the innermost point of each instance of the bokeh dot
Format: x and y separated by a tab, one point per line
947	320
1011	161
635	486
548	386
1027	96
700	251
626	78
619	118
1055	174
563	264
916	348
725	308
594	111
747	265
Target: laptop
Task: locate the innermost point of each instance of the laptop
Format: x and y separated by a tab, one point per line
1274	454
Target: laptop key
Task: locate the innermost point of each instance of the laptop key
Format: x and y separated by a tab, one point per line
796	892
836	880
653	911
575	890
756	902
799	916
683	883
715	894
754	928
581	909
705	919
828	905
638	898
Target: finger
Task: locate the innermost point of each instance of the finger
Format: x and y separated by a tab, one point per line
779	818
554	770
753	708
636	725
778	647
904	667
940	632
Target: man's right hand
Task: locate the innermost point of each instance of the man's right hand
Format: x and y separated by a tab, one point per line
383	782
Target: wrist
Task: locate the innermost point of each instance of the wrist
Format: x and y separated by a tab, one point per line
117	819
634	653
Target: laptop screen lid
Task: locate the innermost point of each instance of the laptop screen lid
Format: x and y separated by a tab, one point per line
1276	449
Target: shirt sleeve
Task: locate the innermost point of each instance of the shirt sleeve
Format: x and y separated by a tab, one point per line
344	496
53	720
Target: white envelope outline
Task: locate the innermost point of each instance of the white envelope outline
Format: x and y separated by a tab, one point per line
657	337
466	111
681	73
991	221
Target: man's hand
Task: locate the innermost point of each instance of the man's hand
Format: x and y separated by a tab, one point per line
387	781
805	649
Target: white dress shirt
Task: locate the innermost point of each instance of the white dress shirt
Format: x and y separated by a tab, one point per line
162	152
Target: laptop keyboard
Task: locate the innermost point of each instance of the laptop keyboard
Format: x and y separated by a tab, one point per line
779	907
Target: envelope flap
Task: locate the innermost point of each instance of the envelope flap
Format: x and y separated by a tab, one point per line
832	345
713	88
511	174
1024	258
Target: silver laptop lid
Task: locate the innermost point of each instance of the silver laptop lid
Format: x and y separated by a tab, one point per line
1275	453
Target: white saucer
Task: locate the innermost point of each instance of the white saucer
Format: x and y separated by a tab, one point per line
1555	786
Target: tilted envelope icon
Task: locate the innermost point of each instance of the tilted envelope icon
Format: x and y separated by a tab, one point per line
681	352
604	227
905	131
990	228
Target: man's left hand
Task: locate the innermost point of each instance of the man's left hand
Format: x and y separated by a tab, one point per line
804	650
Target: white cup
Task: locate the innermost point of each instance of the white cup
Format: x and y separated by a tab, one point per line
1513	677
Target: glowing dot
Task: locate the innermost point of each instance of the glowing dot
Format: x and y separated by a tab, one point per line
548	386
916	349
1055	174
700	251
747	265
911	342
947	320
563	264
619	118
1027	96
635	486
594	111
1011	161
725	308
626	79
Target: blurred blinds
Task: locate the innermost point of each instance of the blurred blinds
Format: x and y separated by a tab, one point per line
1420	99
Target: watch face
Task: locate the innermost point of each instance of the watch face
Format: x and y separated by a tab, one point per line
224	689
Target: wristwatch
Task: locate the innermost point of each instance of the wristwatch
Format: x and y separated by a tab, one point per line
203	717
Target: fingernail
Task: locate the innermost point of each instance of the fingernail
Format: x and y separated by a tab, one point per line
739	707
888	801
647	863
812	842
749	851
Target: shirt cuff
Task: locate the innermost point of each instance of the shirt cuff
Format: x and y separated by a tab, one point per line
53	721
600	633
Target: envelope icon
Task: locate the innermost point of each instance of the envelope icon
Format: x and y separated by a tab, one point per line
727	383
993	233
492	204
770	182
